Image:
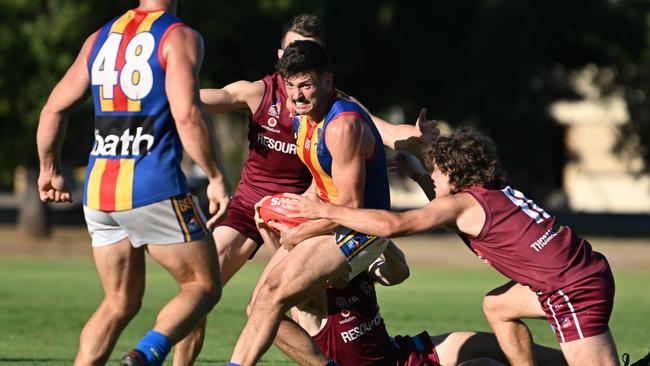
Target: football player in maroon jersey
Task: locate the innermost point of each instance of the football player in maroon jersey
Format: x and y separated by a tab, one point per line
345	323
555	274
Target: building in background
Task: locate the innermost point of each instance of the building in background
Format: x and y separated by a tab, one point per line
596	179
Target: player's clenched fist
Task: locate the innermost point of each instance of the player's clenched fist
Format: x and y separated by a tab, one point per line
53	188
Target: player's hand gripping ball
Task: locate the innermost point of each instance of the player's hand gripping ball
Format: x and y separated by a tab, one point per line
275	209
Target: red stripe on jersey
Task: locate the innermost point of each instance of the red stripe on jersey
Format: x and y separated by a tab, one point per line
108	184
347	114
119	102
161	58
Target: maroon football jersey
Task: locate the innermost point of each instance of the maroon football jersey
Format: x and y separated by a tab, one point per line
526	244
272	165
354	333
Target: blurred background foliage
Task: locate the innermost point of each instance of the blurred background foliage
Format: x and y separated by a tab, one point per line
495	64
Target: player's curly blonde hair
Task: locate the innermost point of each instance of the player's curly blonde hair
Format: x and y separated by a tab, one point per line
469	157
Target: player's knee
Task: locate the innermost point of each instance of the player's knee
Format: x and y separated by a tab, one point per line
211	295
282	292
207	299
262	300
268	291
207	292
124	307
272	292
267	296
490	307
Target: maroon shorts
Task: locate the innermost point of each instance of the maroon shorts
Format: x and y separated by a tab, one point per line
417	350
582	309
241	217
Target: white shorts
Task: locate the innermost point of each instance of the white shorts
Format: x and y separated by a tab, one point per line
360	250
170	221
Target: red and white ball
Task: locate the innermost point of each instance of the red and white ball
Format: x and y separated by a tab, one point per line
275	209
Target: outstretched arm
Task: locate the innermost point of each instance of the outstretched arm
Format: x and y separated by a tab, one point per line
183	51
235	96
460	210
71	90
407	137
404	136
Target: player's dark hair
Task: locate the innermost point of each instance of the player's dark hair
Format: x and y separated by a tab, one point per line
307	26
302	57
469	157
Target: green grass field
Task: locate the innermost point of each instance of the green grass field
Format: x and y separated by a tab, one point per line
45	302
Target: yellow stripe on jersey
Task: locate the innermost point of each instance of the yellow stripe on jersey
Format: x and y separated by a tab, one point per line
94	184
119	25
106	104
328	182
179	215
124	185
133	105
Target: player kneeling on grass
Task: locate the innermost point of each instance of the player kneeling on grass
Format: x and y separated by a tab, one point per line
555	274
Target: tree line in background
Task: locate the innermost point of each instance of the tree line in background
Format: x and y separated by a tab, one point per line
496	64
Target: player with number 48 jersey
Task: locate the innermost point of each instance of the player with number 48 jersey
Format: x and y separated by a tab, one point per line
135	159
142	69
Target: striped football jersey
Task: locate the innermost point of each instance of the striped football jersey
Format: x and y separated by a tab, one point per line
313	151
135	159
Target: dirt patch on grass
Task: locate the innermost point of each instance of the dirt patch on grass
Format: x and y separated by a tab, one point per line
63	242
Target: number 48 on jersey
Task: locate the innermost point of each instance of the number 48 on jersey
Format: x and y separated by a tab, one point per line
133	76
